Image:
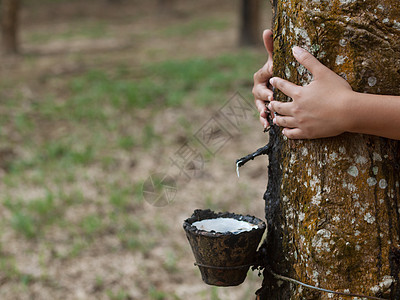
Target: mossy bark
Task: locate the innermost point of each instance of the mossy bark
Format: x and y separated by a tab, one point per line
332	205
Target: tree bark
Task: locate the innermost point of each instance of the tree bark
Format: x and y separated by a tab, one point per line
332	205
9	26
250	29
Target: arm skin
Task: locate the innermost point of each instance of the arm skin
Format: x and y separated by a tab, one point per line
376	114
327	106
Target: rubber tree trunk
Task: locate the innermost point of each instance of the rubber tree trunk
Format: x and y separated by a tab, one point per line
332	205
9	26
250	23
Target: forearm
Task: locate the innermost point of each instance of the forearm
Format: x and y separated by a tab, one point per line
374	114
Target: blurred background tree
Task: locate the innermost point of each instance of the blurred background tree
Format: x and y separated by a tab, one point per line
165	5
250	23
249	15
9	26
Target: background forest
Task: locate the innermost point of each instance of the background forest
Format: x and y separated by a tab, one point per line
101	95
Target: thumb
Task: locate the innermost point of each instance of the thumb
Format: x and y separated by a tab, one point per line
308	60
268	41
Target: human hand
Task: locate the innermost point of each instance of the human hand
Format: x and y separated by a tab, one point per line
261	91
317	109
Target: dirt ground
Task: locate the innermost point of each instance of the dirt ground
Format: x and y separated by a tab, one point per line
82	253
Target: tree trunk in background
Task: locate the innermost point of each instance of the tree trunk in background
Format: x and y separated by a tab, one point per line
9	26
165	6
250	26
332	205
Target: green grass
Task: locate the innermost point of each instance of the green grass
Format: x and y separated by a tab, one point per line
91	224
64	151
125	198
90	116
156	294
72	197
214	293
81	30
24	224
30	218
98	98
23	122
170	262
169	83
118	295
149	136
9	270
127	142
132	234
120	198
78	245
60	154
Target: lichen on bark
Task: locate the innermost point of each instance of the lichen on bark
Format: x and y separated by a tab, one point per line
332	205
